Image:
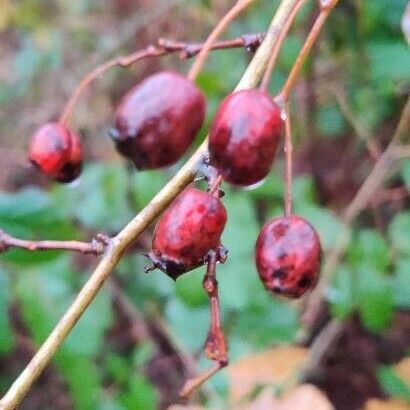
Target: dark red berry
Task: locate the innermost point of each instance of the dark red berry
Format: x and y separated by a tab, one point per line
187	231
157	120
56	151
244	136
73	167
288	256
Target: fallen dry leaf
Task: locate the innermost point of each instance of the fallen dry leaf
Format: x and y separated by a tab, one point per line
304	397
376	404
267	368
402	368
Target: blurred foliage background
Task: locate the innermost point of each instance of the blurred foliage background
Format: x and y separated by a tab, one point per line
143	335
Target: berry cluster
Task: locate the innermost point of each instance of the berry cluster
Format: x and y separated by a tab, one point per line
155	123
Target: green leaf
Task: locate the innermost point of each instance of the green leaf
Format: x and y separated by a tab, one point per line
99	200
325	222
401	283
303	190
330	121
271	188
374	297
276	322
188	325
383	13
389	61
6	333
145	185
189	289
32	214
290	50
369	248
44	293
393	384
82	377
88	334
239	284
142	354
140	395
405	171
399	232
341	296
117	368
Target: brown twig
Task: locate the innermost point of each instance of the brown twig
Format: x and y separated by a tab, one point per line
223	24
119	244
289	163
215	345
96	246
276	49
163	47
326	7
394	152
361	131
390	195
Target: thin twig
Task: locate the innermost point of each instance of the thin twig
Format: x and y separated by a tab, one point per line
235	11
216	347
96	246
130	233
163	47
326	7
373	182
289	163
361	131
276	49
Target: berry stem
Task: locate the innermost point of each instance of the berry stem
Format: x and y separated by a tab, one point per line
326	7
237	9
278	45
215	345
164	47
289	163
214	189
96	246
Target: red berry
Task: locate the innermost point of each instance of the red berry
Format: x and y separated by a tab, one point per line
244	136
288	256
157	120
56	151
190	228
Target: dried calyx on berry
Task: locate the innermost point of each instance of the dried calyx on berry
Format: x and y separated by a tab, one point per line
188	230
157	120
56	151
244	136
288	254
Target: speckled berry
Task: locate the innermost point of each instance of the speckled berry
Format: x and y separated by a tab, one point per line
244	136
188	230
56	152
288	256
157	120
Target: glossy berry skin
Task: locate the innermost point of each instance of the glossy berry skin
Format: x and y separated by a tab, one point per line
56	152
190	228
244	136
157	120
288	254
